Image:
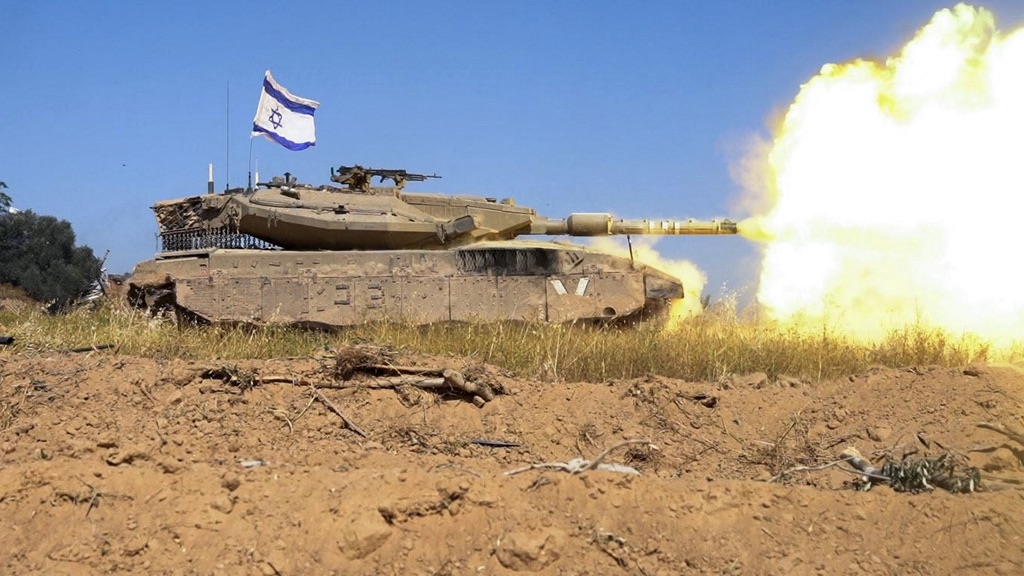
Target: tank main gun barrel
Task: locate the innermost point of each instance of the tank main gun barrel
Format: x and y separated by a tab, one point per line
602	224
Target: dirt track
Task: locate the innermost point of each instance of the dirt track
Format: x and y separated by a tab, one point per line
113	464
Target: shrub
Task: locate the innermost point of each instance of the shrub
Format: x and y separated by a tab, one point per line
38	254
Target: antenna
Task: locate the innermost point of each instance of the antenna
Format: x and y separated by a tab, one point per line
227	137
249	188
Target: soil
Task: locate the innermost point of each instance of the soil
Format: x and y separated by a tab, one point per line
118	464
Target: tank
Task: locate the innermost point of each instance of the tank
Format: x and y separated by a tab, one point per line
358	251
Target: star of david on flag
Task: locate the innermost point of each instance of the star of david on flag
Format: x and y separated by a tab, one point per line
283	117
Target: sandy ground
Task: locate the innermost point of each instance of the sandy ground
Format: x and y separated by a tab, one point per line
116	464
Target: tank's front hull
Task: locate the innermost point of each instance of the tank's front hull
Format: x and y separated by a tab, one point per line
486	282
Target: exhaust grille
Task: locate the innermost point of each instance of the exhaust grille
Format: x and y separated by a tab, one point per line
508	261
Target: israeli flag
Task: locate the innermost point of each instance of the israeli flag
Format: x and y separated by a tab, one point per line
284	117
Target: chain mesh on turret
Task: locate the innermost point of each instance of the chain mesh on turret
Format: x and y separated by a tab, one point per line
209	238
184	227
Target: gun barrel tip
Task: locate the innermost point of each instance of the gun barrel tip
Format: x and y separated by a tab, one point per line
754	228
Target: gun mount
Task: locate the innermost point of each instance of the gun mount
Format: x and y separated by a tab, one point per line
359	178
296	253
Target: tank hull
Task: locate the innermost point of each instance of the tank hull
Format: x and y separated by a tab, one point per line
484	282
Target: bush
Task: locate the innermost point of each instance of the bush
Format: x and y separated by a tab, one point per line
38	254
5	200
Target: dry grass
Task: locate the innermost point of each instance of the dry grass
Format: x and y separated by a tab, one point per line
708	347
8	414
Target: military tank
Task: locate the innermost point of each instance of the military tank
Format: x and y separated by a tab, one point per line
359	251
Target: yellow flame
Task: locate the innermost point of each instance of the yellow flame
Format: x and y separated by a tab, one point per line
754	228
894	188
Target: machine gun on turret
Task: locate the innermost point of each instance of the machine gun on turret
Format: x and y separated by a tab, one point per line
360	179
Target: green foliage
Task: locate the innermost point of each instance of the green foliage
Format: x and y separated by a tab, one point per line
5	200
38	254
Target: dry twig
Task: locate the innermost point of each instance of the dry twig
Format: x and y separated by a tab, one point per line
1015	435
789	471
330	405
580	465
282	415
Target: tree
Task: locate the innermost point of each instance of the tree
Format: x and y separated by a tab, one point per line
38	254
5	200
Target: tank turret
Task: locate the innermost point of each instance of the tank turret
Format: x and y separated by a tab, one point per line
270	255
360	216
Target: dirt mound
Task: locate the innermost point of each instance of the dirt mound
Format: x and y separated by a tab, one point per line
113	464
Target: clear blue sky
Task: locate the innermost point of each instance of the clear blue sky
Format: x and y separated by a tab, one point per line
635	108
